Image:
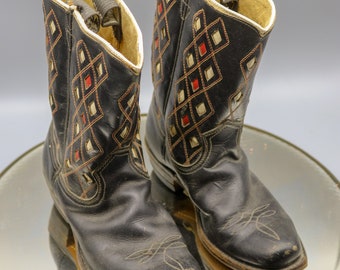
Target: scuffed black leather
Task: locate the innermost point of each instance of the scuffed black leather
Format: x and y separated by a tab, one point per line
93	161
211	58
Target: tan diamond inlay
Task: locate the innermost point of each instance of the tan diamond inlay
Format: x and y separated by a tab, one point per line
50	98
81	56
51	65
134	153
68	163
238	97
125	132
77	129
216	37
76	93
181	96
209	73
163	33
130	101
197	24
53	28
89	146
251	63
92	108
201	109
158	67
173	131
100	69
190	60
194	142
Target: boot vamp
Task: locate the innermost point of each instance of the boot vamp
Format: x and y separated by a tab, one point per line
125	229
240	216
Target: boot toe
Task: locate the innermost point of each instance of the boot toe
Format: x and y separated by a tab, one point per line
266	254
250	243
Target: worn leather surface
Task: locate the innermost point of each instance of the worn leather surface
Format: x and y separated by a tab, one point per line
204	65
93	160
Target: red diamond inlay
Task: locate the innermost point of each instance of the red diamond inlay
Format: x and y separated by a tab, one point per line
156	42
160	8
195	85
83	118
88	82
185	120
77	155
202	49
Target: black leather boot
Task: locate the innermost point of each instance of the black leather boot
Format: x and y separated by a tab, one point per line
205	56
93	160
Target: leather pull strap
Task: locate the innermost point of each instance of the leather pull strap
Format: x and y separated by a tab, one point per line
111	16
232	4
90	15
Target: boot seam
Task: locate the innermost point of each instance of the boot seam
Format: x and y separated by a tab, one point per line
178	45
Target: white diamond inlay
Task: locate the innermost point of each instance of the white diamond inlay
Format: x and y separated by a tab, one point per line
100	69
194	142
201	109
173	131
92	108
190	60
81	56
251	63
125	132
209	73
216	37
197	24
181	96
53	28
158	68
89	146
76	93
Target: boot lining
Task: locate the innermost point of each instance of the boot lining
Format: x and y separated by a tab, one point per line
260	11
129	46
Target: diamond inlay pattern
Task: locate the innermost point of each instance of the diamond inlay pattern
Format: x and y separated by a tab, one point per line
193	106
248	65
53	36
161	37
84	147
128	129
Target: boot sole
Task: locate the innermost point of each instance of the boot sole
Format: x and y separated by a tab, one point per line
61	234
170	180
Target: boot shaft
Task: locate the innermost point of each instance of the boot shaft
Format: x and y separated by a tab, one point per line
205	56
93	93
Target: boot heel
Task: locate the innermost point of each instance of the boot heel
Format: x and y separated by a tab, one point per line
163	173
61	237
61	259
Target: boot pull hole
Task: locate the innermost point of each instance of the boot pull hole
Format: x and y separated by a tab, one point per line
90	15
111	16
105	13
231	4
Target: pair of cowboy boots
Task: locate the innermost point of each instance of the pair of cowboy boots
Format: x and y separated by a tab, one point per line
205	54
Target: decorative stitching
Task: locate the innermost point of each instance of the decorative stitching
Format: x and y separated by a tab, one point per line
197	60
237	108
53	36
184	9
159	47
161	248
240	221
86	67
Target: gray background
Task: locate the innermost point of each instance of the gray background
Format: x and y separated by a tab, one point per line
295	96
